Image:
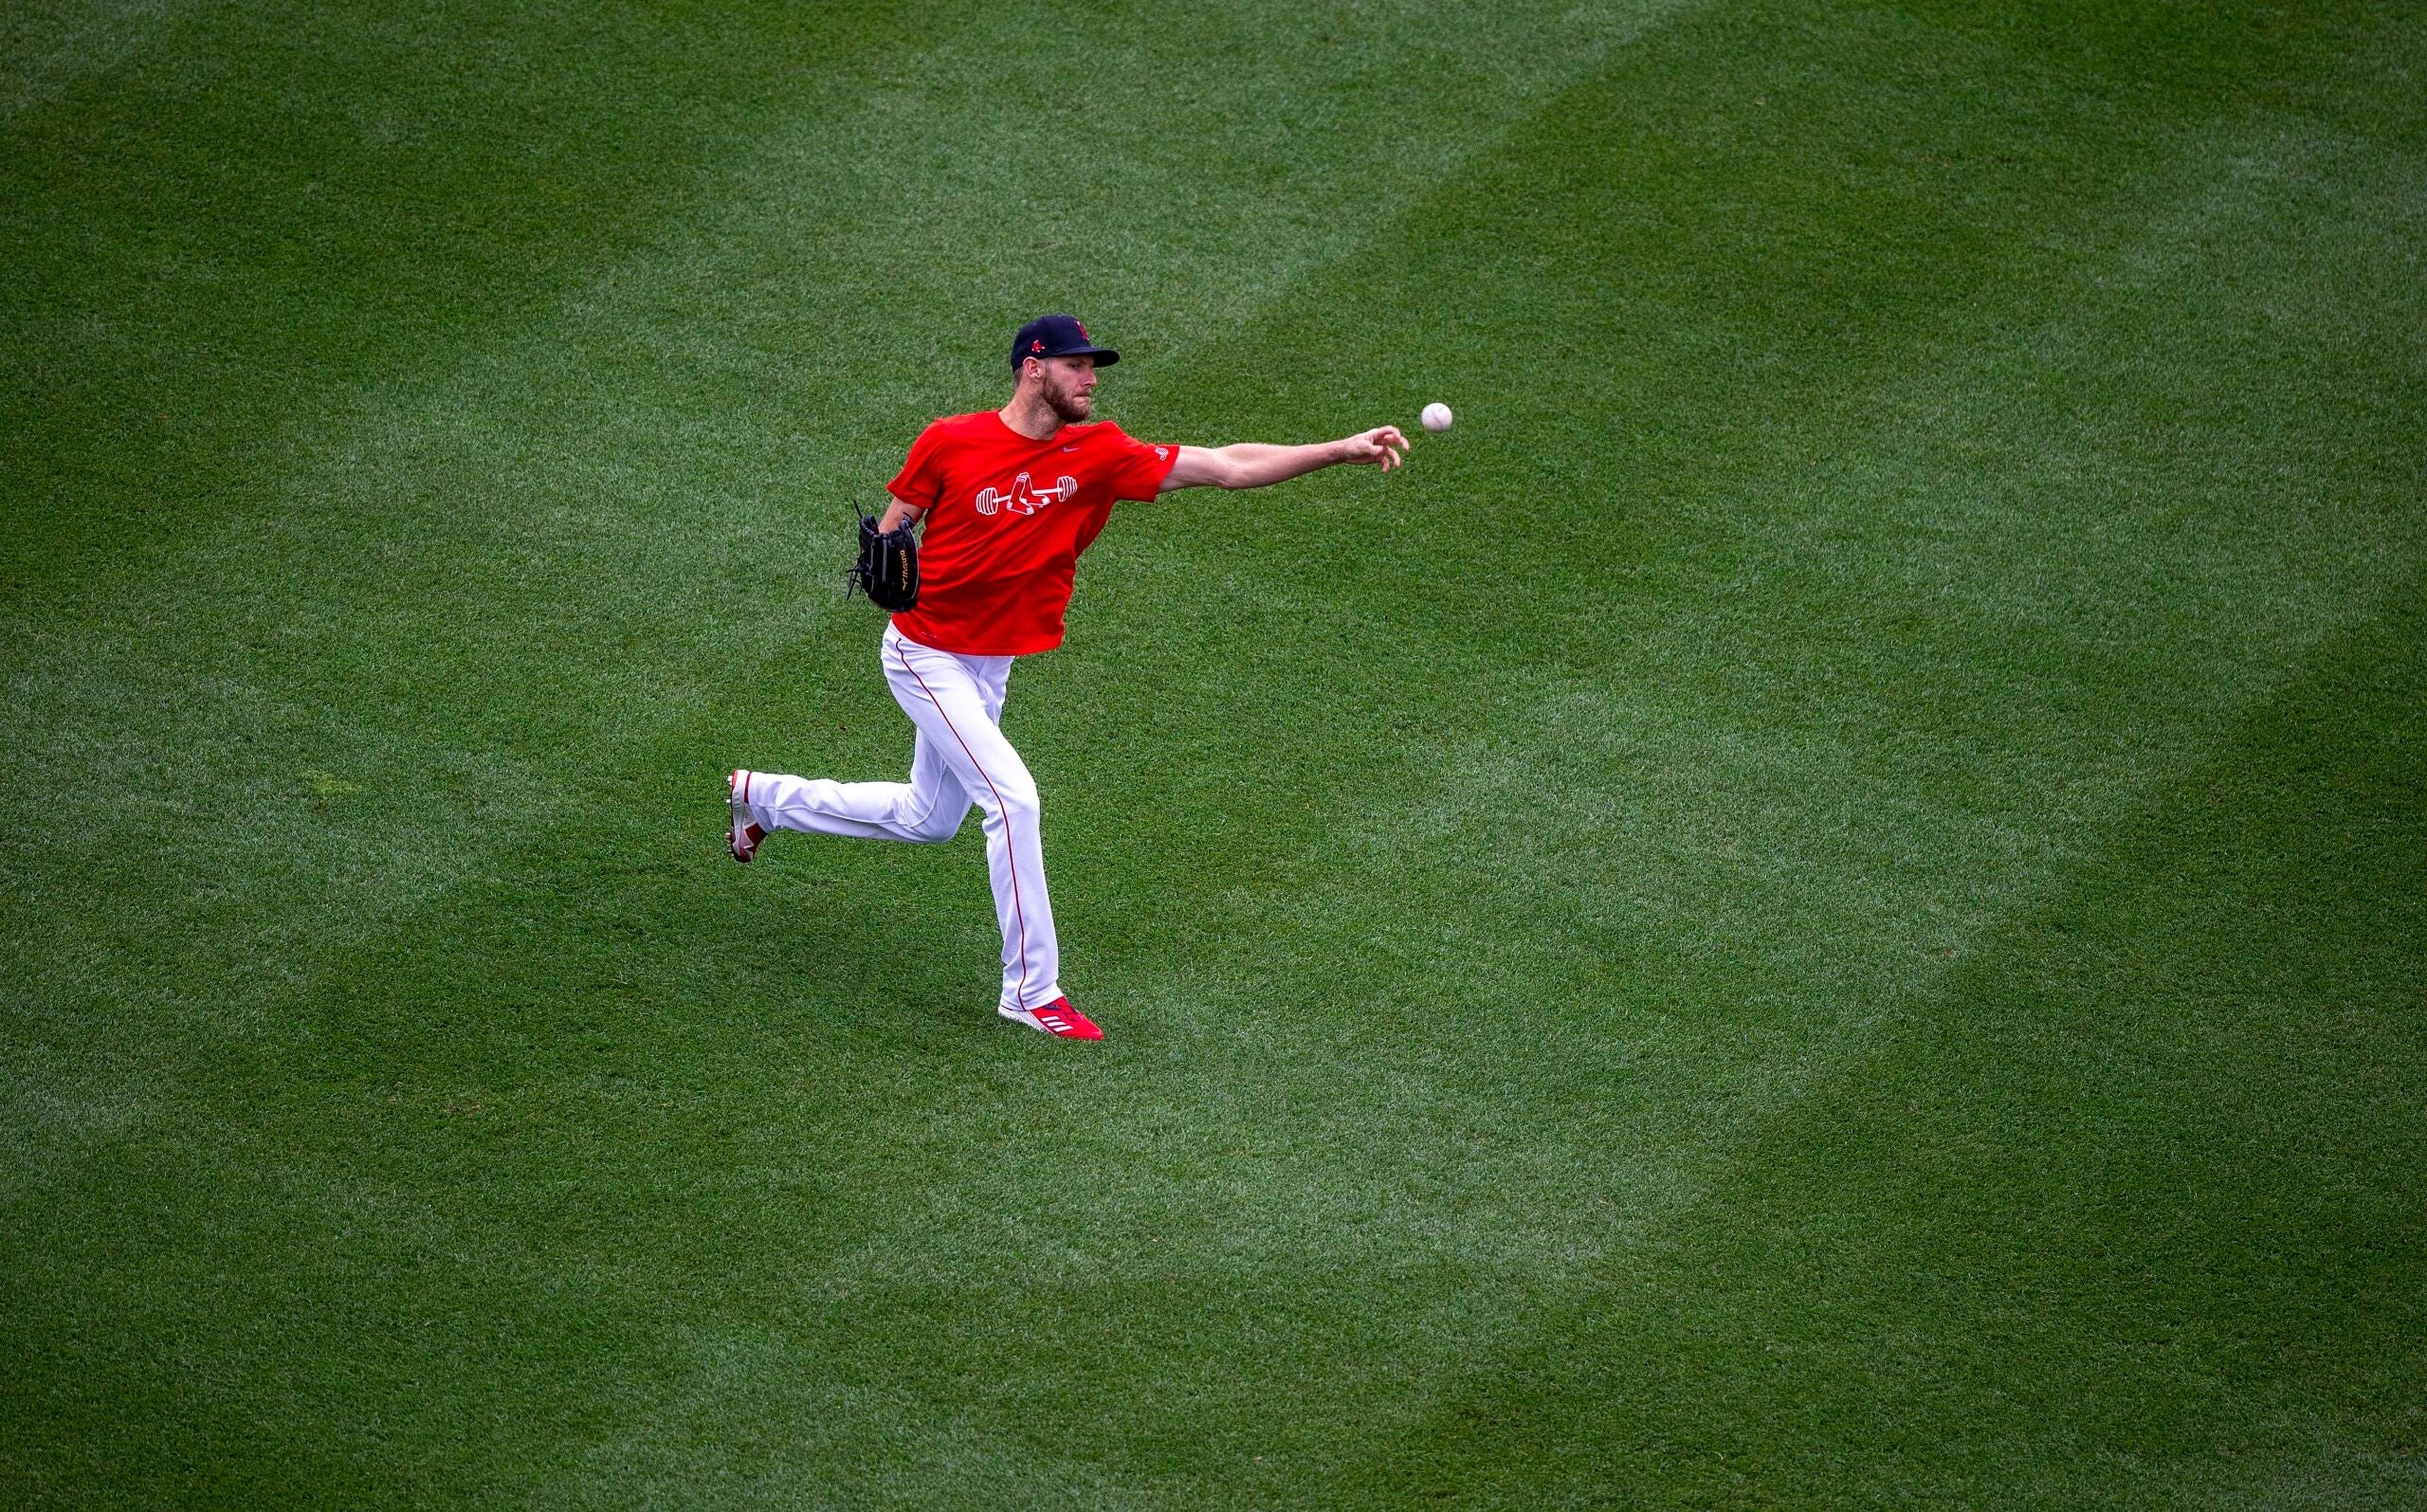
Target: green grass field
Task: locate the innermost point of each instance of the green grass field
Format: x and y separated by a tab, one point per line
1824	902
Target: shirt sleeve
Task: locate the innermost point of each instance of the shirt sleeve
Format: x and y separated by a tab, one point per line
920	482
1137	469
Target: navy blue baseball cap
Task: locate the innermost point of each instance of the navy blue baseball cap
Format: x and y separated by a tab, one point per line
1058	336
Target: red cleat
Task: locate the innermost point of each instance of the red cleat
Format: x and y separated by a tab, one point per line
1057	1018
746	834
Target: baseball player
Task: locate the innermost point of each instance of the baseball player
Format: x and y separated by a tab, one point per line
1009	499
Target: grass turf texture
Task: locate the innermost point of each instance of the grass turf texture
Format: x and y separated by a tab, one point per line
1822	903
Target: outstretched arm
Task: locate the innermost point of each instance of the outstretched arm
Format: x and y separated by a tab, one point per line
1252	464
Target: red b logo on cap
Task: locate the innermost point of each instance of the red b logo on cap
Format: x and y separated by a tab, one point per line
1036	346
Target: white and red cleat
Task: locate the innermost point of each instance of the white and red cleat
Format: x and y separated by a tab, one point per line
746	833
1057	1018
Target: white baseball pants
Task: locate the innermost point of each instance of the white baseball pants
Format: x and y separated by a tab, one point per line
960	758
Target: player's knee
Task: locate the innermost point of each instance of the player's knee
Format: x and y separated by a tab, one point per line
1019	800
938	824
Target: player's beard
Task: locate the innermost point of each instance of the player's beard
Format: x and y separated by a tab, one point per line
1069	405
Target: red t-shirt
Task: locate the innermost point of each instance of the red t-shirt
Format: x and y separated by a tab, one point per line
1007	519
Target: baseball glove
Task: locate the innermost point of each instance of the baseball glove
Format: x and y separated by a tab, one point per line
887	570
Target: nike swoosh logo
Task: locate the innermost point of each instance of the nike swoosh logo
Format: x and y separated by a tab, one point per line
1073	447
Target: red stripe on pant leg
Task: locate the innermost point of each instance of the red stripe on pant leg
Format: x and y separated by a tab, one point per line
1019	915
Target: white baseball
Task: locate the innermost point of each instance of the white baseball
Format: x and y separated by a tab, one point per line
1436	416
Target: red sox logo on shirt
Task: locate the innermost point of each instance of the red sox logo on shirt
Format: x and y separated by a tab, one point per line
1024	499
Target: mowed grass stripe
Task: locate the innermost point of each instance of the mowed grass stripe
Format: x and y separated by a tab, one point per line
48	49
2125	1210
272	221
